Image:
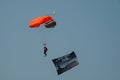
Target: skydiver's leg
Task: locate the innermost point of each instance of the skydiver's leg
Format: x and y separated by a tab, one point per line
45	51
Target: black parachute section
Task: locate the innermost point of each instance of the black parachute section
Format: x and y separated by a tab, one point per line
50	24
65	62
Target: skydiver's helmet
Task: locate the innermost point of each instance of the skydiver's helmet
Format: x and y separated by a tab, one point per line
44	44
50	24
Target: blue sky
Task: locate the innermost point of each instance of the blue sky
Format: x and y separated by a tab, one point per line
91	28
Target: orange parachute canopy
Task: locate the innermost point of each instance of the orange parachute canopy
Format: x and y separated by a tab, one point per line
47	21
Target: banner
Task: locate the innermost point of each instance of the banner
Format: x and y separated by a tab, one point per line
65	63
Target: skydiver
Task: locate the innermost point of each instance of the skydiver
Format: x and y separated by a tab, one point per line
45	50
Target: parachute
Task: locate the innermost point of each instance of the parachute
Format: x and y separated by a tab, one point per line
47	21
65	62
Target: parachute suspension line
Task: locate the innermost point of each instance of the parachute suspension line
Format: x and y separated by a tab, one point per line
42	38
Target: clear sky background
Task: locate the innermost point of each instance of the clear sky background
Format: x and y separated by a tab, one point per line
91	28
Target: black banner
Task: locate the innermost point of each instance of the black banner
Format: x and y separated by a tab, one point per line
65	63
